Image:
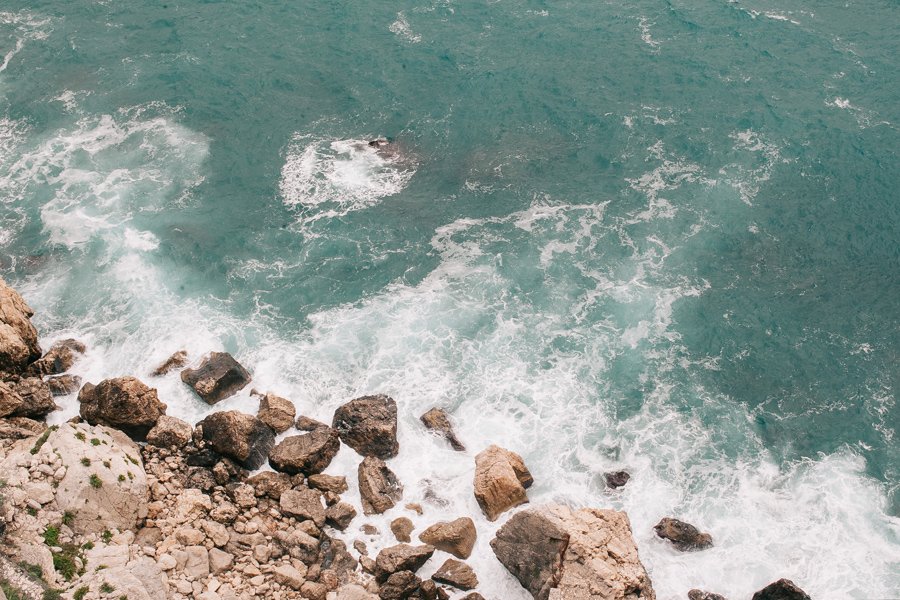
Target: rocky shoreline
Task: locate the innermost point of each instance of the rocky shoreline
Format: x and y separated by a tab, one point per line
126	502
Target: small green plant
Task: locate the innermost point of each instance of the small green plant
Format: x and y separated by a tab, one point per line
95	481
40	441
121	478
31	511
95	442
68	518
34	571
86	461
100	567
64	563
131	459
106	536
106	588
10	592
80	593
80	435
130	475
51	594
87	546
51	535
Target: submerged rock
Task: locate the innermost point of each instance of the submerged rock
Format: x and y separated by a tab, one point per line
500	481
18	338
783	589
176	361
309	454
123	403
557	552
378	486
402	527
276	412
683	536
58	359
63	385
218	377
239	436
455	537
369	426
438	421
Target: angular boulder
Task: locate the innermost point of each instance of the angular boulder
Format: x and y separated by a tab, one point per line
500	481
455	537
557	552
63	385
276	412
309	454
170	432
401	557
369	426
9	400
123	403
438	421
37	401
617	479
340	515
783	589
379	488
176	361
328	483
683	536
402	527
58	359
218	377
303	503
400	586
18	338
239	436
456	573
270	484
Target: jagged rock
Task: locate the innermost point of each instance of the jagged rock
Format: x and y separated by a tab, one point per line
557	552
683	536
206	457
438	421
783	589
176	361
401	557
240	436
617	479
309	454
18	338
63	385
701	595
456	573
378	486
276	412
455	537
37	401
58	359
369	426
9	400
270	484
399	586
402	527
303	503
123	403
308	424
500	481
218	377
169	432
328	483
340	515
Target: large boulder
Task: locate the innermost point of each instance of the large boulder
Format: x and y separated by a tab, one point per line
456	573
556	552
379	487
438	421
683	536
218	377
9	400
369	426
783	589
124	403
309	454
456	537
170	432
18	338
240	436
58	359
276	412
37	400
500	481
401	557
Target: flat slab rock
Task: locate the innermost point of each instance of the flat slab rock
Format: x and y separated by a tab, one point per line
218	377
401	557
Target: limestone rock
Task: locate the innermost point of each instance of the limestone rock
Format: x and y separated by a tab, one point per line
242	437
18	337
437	420
309	454
402	527
456	537
123	403
557	552
63	385
369	426
58	359
218	377
289	576
276	412
352	591
37	401
683	536
500	481
456	573
783	589
328	483
169	432
9	400
176	361
378	486
197	565
617	479
219	561
401	557
303	503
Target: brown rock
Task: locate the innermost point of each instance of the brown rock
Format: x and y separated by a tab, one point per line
701	595
369	426
401	557
63	385
617	479
18	337
19	428
500	481
401	528
307	424
270	484
474	596
399	586
303	503
456	573
683	536
123	403
37	401
170	432
340	515
242	437
438	421
218	377
10	401
276	412
309	454
176	361
289	576
456	537
378	486
328	483
783	589
58	359
428	590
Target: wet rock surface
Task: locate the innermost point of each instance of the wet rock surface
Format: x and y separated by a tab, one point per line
783	589
379	488
438	421
500	481
683	536
218	377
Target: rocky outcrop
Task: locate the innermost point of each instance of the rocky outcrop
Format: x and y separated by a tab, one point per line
309	454
379	488
276	412
617	479
500	481
124	403
456	573
58	359
437	421
240	436
455	537
37	401
557	552
176	361
401	557
18	338
369	426
170	432
683	536
218	377
783	589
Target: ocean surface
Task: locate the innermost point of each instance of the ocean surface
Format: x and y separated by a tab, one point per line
653	235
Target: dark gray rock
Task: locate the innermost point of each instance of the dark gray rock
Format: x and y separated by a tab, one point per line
783	589
218	377
369	426
683	536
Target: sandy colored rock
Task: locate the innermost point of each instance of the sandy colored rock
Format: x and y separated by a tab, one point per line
276	412
309	453
37	400
303	503
9	400
176	361
783	589
218	377
456	573
401	557
63	385
328	483
369	426
500	481
379	488
270	484
683	536
289	576
239	436
456	537
559	553
438	421
18	337
352	591
123	403
402	527
170	432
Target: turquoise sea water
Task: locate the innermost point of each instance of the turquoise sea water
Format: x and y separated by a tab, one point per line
654	235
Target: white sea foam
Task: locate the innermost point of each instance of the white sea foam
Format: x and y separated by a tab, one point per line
401	28
646	35
26	26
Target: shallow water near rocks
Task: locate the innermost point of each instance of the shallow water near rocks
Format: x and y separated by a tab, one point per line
659	237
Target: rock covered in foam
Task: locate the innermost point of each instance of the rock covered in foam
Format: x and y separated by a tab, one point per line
309	454
379	487
58	359
438	421
18	338
239	436
218	377
124	403
683	536
783	589
501	478
369	425
556	552
176	361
